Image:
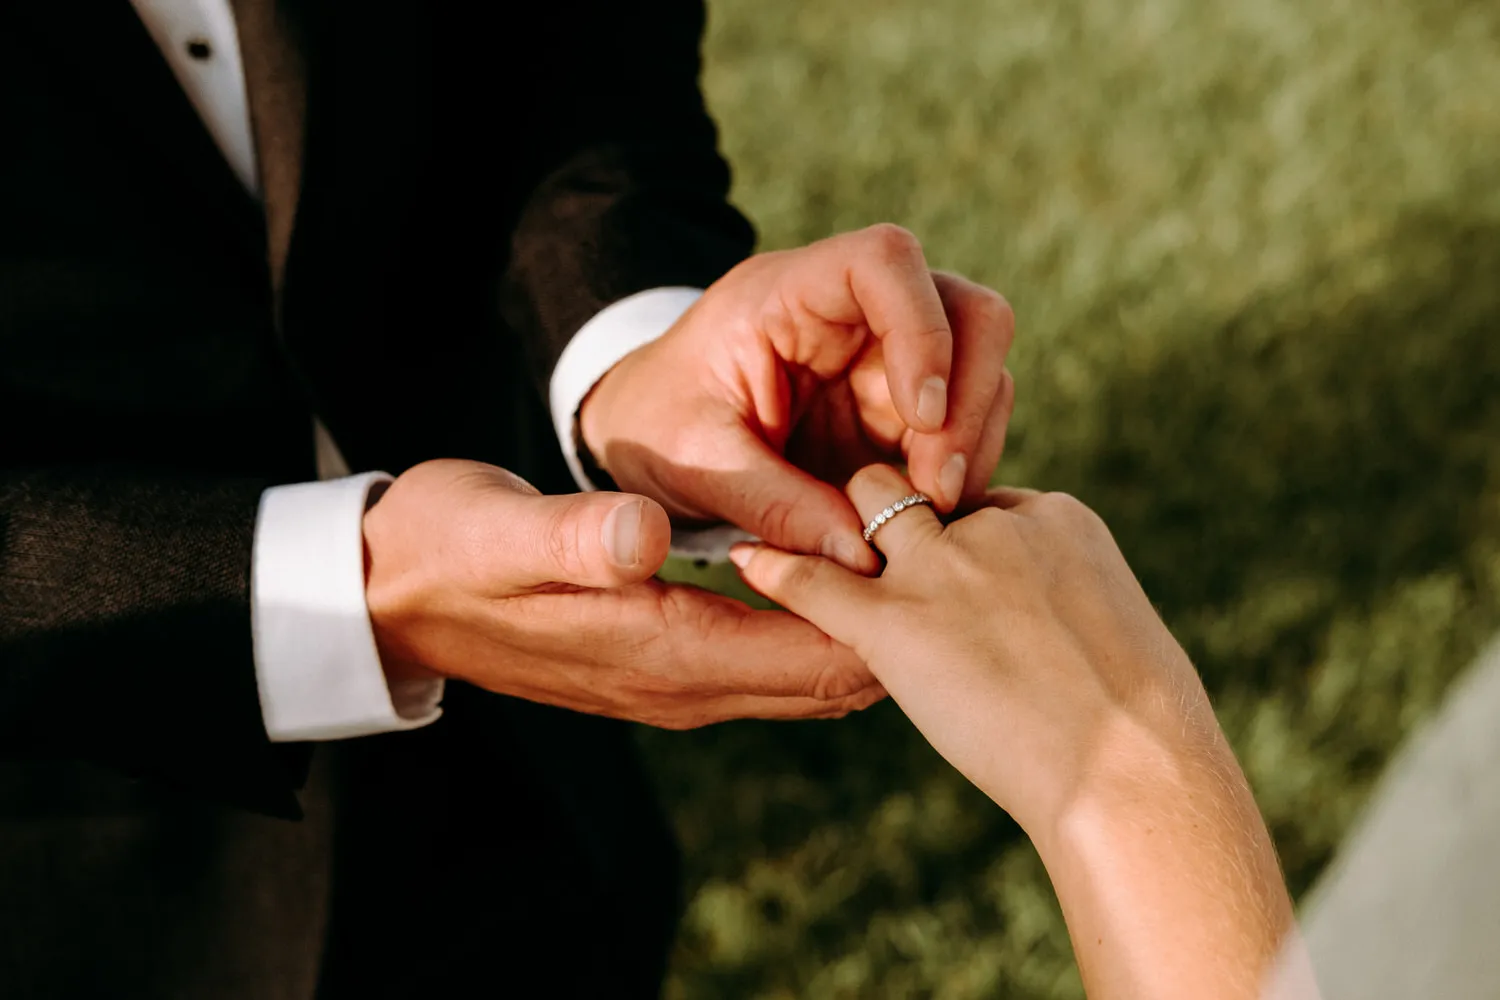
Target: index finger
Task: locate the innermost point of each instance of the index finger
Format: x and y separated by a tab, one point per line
879	277
836	601
692	645
961	458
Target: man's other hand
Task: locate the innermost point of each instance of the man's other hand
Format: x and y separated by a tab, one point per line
798	368
472	574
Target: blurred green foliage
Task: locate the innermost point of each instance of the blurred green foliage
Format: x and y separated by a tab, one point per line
1254	246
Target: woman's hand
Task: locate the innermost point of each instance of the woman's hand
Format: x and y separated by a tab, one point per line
1021	645
1016	639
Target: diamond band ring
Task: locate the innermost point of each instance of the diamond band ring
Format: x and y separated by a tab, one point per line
879	519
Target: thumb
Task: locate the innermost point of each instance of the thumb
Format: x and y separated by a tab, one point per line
786	507
582	539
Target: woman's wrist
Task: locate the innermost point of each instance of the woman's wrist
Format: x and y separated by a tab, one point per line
1161	841
1091	742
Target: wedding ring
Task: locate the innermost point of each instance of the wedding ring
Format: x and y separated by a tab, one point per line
904	503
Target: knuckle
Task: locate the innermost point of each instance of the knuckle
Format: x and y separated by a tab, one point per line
934	339
969	424
871	478
995	312
778	517
511	481
562	541
837	678
979	539
798	576
906	550
989	520
827	686
1064	507
892	242
857	701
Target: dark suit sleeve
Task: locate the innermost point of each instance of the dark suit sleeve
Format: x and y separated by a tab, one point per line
630	190
125	630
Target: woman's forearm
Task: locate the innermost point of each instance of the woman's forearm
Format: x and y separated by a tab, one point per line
1167	875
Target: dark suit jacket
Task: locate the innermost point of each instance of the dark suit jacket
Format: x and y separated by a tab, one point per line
475	182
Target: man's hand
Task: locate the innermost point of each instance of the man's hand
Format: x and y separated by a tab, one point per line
796	369
472	574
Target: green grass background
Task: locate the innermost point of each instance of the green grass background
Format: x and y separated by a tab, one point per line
1254	248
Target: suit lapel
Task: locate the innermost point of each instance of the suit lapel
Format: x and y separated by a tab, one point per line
272	52
102	47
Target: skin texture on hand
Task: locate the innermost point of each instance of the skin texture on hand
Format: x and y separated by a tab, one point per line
799	367
1019	642
1029	612
474	575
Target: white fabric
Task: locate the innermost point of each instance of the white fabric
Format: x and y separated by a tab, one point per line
316	663
1410	908
215	85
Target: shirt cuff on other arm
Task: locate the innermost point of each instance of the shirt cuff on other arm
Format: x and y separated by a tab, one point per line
316	663
597	347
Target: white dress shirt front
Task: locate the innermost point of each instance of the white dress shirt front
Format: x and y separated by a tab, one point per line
317	668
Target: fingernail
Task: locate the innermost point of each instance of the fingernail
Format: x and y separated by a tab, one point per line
842	550
951	479
741	554
622	533
932	403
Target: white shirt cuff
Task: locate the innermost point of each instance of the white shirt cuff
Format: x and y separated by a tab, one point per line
597	347
316	664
